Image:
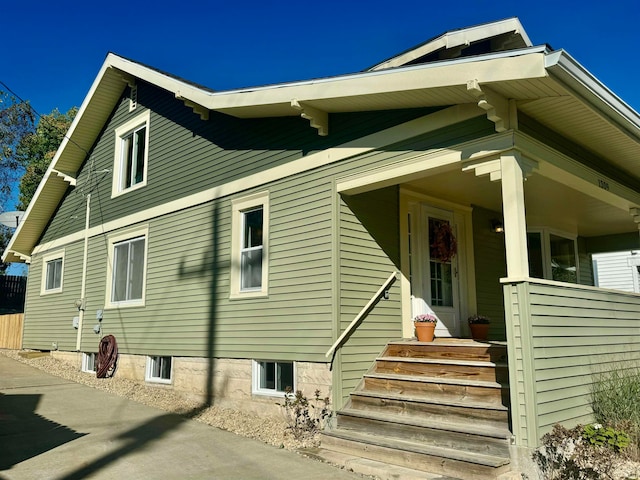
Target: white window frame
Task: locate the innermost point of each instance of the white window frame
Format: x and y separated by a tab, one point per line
256	374
142	120
113	240
89	362
545	234
46	259
148	375
238	207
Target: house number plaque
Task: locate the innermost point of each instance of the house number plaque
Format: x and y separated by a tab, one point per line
603	184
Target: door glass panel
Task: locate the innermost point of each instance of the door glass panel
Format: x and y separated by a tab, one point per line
563	259
440	272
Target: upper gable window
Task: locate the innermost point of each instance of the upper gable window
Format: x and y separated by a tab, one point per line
131	155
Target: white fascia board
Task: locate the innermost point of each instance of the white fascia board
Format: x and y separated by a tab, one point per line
504	66
578	79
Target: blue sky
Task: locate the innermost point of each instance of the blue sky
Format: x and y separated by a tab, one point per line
52	50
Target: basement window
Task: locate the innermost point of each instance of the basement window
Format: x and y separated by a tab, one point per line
158	369
89	362
273	378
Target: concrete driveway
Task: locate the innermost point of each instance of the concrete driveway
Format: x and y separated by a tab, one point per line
51	428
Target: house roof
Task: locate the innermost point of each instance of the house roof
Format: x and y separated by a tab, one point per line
549	86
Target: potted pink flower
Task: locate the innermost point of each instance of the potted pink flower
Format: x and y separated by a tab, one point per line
425	325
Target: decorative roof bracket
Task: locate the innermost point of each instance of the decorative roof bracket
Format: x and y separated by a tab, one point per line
67	178
317	118
493	166
496	106
197	108
635	213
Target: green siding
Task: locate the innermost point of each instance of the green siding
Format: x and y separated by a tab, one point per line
566	334
366	261
490	267
188	155
49	318
327	254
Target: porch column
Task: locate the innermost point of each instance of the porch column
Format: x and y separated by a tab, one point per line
513	171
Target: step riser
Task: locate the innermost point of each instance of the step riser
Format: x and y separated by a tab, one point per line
497	418
466	372
417	461
489	395
427	436
475	353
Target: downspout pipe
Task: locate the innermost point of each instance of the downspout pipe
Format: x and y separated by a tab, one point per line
83	284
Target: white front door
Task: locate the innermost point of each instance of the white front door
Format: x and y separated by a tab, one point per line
436	287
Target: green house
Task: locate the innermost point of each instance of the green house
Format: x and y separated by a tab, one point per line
238	242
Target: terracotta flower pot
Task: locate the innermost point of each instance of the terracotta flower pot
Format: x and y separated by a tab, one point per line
425	331
479	331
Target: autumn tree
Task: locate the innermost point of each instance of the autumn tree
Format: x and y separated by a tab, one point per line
36	150
26	150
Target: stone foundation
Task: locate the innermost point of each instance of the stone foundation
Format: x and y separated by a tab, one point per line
231	383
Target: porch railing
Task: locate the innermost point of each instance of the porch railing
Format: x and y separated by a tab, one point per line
560	336
358	318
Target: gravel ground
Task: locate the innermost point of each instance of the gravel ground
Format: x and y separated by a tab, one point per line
269	430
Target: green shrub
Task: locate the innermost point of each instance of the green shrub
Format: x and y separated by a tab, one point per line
600	436
615	399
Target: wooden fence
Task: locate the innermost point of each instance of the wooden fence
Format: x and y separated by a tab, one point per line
13	290
11	331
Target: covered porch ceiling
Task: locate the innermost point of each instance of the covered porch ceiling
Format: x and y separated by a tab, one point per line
548	203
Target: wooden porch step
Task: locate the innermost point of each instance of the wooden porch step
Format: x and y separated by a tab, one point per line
426	407
429	458
444	368
454	349
454	388
489	440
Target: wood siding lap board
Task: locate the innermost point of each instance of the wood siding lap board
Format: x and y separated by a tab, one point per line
188	155
572	332
187	306
49	318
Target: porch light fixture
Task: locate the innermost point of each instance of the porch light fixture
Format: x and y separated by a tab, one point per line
497	226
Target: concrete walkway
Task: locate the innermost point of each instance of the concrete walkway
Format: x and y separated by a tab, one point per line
51	428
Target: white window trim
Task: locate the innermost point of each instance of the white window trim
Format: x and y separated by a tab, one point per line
238	206
85	362
46	259
144	119
121	237
545	234
255	379
148	370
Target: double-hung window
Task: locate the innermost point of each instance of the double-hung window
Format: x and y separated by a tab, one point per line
52	273
127	269
250	227
131	155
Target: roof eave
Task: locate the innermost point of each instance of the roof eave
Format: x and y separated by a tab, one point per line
575	77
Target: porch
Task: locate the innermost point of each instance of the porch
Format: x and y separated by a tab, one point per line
473	410
555	211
